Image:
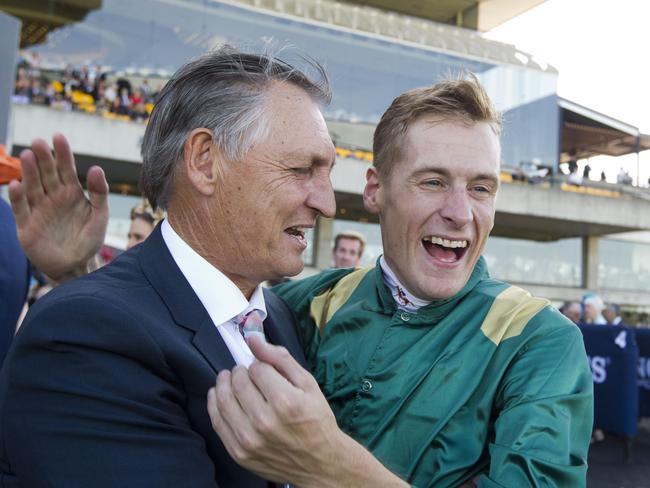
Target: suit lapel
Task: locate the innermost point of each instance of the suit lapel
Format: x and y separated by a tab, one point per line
210	344
166	278
280	327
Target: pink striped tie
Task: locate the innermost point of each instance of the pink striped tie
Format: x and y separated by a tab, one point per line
251	324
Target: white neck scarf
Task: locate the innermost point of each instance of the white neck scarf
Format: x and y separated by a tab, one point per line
405	299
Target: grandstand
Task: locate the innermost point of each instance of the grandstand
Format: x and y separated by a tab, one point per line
557	239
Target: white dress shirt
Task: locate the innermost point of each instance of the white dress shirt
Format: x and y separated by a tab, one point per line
220	296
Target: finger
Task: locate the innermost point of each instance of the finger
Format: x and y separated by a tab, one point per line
220	426
229	408
19	203
46	166
275	388
282	361
250	398
65	160
97	187
31	177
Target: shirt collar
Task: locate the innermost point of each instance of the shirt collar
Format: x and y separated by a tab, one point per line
404	298
219	295
434	311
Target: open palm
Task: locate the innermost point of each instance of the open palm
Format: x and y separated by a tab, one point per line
59	228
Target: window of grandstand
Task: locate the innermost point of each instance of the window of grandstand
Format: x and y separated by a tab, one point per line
624	265
517	260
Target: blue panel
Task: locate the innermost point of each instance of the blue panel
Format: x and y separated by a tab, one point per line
531	133
613	356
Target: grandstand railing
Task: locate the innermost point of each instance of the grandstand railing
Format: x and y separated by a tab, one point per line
397	26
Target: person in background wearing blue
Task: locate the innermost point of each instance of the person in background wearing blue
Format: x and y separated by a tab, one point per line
14	278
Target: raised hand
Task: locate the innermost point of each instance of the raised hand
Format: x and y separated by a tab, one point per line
59	228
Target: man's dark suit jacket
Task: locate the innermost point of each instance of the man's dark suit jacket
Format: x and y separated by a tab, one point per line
107	380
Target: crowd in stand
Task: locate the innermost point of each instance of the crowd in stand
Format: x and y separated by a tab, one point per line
88	89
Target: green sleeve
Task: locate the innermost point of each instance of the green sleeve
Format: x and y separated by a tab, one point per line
298	294
544	413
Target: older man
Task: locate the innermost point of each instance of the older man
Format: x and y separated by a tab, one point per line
106	382
447	376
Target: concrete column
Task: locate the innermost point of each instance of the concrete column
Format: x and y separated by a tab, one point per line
323	243
9	35
590	259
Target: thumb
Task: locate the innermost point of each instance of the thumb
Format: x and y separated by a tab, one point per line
97	188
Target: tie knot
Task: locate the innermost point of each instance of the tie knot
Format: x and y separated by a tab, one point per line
251	324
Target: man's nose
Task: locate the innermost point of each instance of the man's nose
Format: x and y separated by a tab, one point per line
457	208
321	197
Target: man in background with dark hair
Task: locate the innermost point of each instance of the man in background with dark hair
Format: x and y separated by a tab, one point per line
348	249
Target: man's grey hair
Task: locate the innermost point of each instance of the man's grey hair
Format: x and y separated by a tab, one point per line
223	91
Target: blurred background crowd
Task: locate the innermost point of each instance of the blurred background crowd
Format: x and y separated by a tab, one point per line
87	88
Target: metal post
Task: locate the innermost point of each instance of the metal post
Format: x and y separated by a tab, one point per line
9	38
638	160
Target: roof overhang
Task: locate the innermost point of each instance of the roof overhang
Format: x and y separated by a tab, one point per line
588	133
39	17
481	15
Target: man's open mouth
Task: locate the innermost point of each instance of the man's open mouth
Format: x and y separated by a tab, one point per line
297	232
445	250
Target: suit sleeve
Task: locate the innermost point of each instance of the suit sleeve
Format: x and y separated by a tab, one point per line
89	400
544	414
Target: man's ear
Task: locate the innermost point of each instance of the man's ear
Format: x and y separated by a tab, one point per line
372	193
202	160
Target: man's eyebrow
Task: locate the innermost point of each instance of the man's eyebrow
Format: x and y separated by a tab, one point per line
313	158
445	172
433	169
487	176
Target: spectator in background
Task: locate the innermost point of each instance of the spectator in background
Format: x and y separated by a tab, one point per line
573	163
612	314
586	171
60	102
21	86
143	221
575	178
593	310
122	104
348	249
14	278
110	94
137	97
603	176
572	311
